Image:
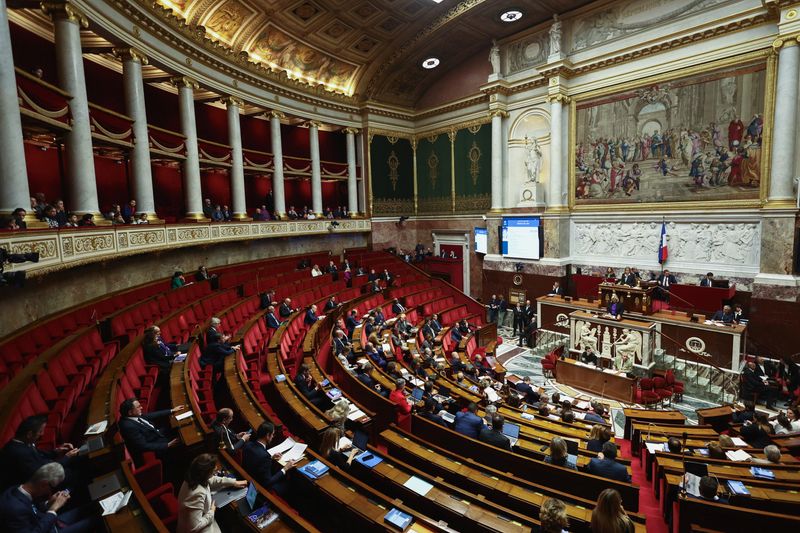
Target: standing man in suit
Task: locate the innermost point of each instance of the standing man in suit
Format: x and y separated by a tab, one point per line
34	506
387	277
525	387
214	334
501	310
398	308
707	281
285	310
272	322
494	435
494	307
138	432
351	322
605	464
311	316
467	422
519	320
20	457
258	463
225	437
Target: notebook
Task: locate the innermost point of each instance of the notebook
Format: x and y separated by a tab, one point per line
737	487
762	473
314	469
512	432
398	519
448	417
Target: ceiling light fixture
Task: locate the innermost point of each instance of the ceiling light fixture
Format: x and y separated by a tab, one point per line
512	15
431	62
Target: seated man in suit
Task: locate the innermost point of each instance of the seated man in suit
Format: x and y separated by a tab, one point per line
34	506
272	321
605	464
311	389
557	289
387	277
311	316
525	387
623	362
467	422
402	327
628	278
494	435
351	322
708	280
20	457
331	304
376	287
436	326
258	463
285	310
364	375
398	308
380	319
370	326
455	334
588	356
138	432
615	308
725	315
708	487
430	412
738	313
372	275
225	437
375	355
340	342
756	384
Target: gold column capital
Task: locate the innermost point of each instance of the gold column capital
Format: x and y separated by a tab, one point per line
558	97
184	81
314	124
60	10
498	113
233	101
276	114
452	136
785	41
128	53
349	131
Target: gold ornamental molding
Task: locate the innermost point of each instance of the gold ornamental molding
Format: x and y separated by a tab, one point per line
314	124
276	114
233	101
353	131
785	42
65	11
184	81
560	98
129	53
498	113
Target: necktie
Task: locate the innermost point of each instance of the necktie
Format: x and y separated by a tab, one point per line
228	435
145	422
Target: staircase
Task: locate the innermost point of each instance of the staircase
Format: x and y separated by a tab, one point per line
702	381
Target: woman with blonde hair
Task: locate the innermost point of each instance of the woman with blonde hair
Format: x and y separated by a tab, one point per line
598	436
553	516
609	516
338	413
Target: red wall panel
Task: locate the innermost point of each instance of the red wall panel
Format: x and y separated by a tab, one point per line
333	146
295	141
104	87
44	174
217	186
168	186
255	134
112	183
32	52
212	123
255	190
162	108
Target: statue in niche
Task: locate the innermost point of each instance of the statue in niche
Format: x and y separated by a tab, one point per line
588	337
555	37
494	58
629	344
533	160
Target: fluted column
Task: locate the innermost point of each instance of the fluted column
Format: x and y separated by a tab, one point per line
132	61
14	190
238	201
277	161
352	182
81	183
362	191
555	198
316	168
192	188
497	159
785	125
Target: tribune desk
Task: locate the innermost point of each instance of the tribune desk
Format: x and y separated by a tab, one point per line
607	384
608	336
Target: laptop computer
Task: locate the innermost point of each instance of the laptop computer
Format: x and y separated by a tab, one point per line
572	447
91	445
225	496
360	440
417	393
248	504
104	486
698	469
512	432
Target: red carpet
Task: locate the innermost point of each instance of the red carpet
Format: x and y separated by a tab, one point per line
648	505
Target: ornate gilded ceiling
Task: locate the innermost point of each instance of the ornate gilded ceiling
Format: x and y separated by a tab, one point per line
369	49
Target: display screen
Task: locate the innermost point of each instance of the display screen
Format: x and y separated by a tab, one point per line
520	237
481	240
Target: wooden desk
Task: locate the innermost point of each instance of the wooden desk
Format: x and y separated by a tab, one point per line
650	416
635	299
591	379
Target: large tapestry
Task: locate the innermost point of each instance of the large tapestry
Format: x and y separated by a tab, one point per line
695	138
392	175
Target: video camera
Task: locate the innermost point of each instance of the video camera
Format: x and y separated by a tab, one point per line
15	279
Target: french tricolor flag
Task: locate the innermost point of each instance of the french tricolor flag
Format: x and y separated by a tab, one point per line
662	248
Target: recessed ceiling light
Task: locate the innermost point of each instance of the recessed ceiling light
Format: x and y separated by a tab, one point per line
431	62
511	15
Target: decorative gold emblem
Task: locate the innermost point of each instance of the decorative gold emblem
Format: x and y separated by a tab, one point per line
474	155
393	163
433	168
517	279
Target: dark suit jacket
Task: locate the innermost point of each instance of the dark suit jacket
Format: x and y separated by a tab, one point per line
272	322
531	396
495	438
284	310
339	345
156	355
751	383
18	516
727	318
436	326
398	308
705	282
351	324
557	290
18	462
629	279
379	318
672	280
434	418
224	435
468	424
212	336
214	354
258	463
610	469
527	314
455	335
141	438
311	318
330	304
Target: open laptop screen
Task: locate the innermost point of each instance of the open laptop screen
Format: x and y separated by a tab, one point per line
511	430
360	439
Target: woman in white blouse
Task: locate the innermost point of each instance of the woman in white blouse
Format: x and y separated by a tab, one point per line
196	511
315	271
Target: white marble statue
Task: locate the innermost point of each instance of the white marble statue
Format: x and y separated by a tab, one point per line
630	344
494	58
533	160
588	337
555	37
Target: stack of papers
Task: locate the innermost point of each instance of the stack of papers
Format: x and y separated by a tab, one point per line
355	415
583	404
115	502
653	447
334	393
762	473
98	428
692	484
553	417
398	519
345	443
738	441
420	486
289	450
738	455
184	416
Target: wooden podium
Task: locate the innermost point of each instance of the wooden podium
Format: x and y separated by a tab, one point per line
635	299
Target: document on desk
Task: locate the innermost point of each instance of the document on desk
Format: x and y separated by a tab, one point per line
420	486
283	447
184	416
491	395
653	447
583	405
295	453
115	502
692	484
355	415
738	455
737	441
98	428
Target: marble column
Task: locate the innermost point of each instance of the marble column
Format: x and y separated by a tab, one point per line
352	182
784	130
555	194
316	168
192	188
238	202
132	61
277	163
497	159
362	191
14	190
81	182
